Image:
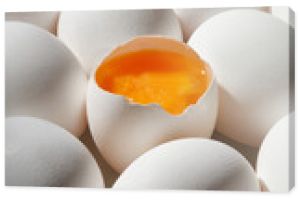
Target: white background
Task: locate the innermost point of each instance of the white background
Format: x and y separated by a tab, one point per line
89	194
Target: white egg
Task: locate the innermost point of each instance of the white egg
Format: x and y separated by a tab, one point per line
109	175
93	34
45	20
39	153
285	14
192	18
43	78
275	162
249	53
249	152
123	130
190	164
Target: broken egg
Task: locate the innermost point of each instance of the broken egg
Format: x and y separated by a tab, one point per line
91	35
148	91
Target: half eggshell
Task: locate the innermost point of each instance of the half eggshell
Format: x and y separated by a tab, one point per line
123	130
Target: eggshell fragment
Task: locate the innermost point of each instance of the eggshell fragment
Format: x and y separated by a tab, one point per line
249	53
93	34
43	78
275	163
190	164
45	20
191	18
39	153
123	130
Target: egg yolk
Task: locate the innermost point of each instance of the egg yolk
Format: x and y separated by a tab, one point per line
170	79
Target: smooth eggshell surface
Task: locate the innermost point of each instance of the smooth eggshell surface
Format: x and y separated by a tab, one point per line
249	53
191	18
93	34
122	131
39	153
274	162
43	78
285	14
249	152
45	20
190	164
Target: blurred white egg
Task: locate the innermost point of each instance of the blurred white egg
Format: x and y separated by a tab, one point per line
93	34
39	153
249	52
285	14
275	162
45	20
122	128
43	78
191	18
190	164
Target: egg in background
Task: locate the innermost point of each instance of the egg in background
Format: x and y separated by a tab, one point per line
191	18
91	35
275	162
45	20
40	153
109	175
285	14
249	152
123	129
43	78
190	164
249	53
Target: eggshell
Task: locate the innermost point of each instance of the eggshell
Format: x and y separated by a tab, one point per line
109	175
123	130
40	153
275	164
249	53
43	78
249	152
93	34
285	14
190	164
45	20
191	18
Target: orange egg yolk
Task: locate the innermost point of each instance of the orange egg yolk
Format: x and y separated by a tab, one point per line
170	79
